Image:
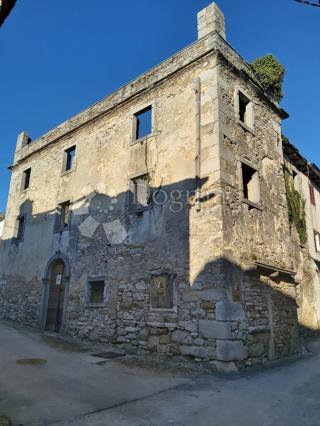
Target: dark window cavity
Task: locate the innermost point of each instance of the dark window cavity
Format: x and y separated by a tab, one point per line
143	123
96	292
162	291
21	224
26	176
69	158
245	111
250	183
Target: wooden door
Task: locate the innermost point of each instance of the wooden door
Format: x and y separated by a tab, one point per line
56	297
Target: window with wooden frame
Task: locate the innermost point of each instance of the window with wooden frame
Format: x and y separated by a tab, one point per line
312	195
96	294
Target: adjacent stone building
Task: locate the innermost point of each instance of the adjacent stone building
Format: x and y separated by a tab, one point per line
305	179
157	218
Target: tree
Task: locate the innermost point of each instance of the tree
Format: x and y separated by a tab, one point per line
270	73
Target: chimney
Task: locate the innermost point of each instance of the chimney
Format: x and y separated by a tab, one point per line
22	141
211	19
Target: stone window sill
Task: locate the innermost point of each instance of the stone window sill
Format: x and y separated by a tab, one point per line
139	210
96	305
245	127
24	191
252	204
67	172
173	309
143	139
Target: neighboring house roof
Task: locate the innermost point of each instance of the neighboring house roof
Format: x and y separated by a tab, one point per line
302	164
5	8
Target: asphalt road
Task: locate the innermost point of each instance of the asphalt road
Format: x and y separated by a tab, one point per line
72	388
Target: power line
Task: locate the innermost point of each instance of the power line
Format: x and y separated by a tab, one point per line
309	3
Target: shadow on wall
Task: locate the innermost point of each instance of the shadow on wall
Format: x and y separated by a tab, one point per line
213	306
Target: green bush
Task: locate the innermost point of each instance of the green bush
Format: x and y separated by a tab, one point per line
270	73
296	207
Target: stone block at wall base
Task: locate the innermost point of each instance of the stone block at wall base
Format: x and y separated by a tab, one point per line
228	350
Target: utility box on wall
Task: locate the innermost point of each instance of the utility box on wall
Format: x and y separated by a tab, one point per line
161	291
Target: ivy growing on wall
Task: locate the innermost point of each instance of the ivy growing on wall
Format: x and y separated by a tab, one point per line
270	73
296	205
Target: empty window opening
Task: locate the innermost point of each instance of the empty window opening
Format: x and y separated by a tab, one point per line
26	176
250	182
143	123
317	241
69	158
20	230
312	195
162	291
245	110
140	191
96	292
63	217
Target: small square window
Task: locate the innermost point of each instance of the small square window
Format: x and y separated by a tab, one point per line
162	291
317	241
96	292
20	228
250	183
312	195
63	217
245	110
69	161
142	123
140	192
26	177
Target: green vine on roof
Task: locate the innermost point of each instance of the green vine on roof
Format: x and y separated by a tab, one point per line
296	206
270	72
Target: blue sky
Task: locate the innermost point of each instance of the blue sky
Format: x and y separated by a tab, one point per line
57	57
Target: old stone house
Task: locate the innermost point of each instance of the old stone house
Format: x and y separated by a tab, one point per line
157	218
305	179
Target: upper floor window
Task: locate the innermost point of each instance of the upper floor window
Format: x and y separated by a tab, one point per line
69	160
317	241
250	183
244	109
312	195
142	123
26	176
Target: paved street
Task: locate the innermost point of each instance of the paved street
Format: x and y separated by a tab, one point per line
74	388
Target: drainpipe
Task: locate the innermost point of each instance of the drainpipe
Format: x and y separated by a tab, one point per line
198	141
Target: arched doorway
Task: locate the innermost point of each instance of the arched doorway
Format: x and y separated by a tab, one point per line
56	296
55	292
